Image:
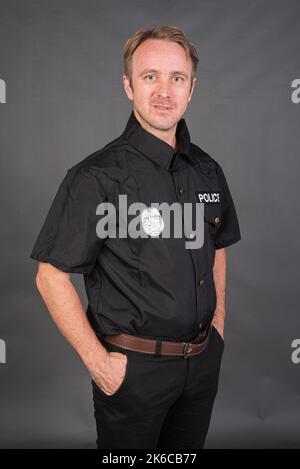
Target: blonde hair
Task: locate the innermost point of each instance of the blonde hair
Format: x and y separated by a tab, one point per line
165	32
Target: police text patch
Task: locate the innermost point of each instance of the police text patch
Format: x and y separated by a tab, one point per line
208	197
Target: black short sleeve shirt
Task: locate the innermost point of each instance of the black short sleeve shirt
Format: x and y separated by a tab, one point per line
68	238
151	286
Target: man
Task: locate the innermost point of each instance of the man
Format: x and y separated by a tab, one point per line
152	338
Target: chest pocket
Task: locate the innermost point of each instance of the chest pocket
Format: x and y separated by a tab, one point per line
213	220
212	214
212	210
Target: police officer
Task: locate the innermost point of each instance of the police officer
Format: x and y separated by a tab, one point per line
152	335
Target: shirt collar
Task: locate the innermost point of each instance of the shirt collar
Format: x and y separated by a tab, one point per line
153	147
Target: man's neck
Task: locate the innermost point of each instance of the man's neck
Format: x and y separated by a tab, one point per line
168	136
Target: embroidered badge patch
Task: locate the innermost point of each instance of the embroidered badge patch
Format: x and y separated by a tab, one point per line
152	221
208	197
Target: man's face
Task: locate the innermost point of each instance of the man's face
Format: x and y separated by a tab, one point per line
161	83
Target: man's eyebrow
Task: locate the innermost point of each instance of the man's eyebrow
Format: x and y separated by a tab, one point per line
152	70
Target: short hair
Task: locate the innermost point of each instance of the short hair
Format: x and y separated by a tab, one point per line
165	32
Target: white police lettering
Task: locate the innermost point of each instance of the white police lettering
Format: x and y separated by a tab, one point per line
208	197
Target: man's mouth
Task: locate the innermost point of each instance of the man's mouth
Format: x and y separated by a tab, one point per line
162	108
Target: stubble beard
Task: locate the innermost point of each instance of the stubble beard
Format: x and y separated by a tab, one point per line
153	123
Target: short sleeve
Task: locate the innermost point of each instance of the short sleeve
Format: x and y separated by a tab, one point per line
68	238
228	231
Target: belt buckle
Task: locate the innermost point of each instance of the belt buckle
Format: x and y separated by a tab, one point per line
187	349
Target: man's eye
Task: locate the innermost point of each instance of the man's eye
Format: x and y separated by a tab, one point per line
180	78
151	76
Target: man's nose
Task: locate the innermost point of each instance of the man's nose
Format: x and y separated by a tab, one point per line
163	88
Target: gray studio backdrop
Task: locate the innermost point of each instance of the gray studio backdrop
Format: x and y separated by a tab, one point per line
62	99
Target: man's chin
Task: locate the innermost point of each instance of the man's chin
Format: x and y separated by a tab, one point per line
159	121
162	122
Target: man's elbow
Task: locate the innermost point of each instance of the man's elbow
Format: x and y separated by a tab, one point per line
220	253
47	274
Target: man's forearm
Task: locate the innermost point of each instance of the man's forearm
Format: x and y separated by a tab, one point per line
220	285
67	311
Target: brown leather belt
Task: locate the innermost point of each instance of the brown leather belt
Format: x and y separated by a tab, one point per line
162	347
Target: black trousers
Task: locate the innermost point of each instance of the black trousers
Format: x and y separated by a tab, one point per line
163	402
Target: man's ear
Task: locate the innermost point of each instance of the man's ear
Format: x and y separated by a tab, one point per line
127	87
192	89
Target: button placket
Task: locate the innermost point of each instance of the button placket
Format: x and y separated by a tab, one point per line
183	196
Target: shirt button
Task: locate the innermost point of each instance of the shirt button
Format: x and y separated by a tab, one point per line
180	190
192	235
201	282
217	220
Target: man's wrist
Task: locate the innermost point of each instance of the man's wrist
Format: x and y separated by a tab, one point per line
218	321
96	360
